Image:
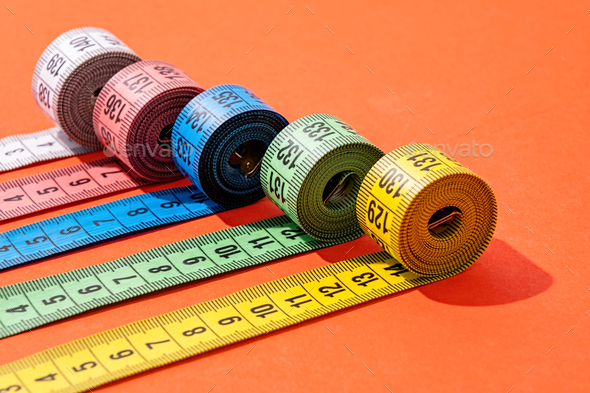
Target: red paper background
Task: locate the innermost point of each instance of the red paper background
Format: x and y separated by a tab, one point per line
448	63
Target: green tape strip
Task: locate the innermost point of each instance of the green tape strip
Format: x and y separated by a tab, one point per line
38	302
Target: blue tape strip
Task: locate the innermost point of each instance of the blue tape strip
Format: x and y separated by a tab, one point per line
59	234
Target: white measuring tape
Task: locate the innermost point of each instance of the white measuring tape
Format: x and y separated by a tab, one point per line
67	80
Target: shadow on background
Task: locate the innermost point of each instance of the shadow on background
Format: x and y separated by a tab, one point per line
502	275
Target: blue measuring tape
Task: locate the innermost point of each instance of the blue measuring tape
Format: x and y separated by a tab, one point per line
219	140
73	230
218	143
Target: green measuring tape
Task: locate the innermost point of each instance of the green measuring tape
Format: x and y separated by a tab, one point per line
410	200
327	150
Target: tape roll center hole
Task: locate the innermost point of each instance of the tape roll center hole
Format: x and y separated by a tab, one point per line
95	95
165	137
445	221
247	158
338	187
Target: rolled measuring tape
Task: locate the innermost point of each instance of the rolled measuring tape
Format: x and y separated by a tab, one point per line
67	79
157	341
219	139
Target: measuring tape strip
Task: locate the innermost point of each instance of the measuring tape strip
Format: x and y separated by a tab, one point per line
62	186
77	229
130	349
21	150
29	304
66	82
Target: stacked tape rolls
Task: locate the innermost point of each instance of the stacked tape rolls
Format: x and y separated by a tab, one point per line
313	172
70	74
135	112
219	140
427	210
433	214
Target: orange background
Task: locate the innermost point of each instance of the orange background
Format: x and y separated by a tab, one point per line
449	63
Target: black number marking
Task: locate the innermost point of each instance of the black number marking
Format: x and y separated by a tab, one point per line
80	182
163	268
364	279
331	291
199	197
279	187
54	299
227	251
422	162
226	97
19	150
73	229
229	321
312	131
293	233
260	245
38	239
97	222
295	303
82	43
197	330
199	115
132	83
11	388
21	308
391	179
141	210
48	190
284	154
90	289
15	198
151	345
263	310
114	107
117	281
47	378
44	95
84	366
396	269
376	218
55	64
193	260
122	354
168	205
105	174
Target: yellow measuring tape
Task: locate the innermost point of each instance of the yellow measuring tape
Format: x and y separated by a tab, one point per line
432	214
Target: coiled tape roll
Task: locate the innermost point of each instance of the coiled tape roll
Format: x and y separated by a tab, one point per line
313	172
427	210
67	79
135	112
161	340
220	138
